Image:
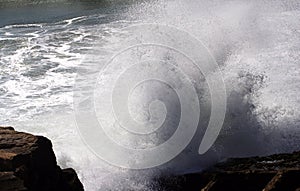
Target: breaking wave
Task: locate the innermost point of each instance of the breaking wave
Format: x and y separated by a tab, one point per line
255	43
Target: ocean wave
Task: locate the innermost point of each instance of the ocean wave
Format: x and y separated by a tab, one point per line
255	44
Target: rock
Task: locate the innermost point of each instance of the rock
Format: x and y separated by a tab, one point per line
70	177
279	172
8	181
27	162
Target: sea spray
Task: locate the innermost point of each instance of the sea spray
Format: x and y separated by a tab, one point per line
254	43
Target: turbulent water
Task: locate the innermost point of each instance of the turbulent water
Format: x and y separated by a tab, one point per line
255	43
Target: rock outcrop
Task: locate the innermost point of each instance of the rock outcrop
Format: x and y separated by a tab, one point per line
279	172
28	163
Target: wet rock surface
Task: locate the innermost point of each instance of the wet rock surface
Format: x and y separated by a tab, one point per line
279	172
28	163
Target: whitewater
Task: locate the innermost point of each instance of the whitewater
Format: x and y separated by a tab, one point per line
256	45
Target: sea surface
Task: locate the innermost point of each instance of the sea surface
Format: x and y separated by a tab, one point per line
256	44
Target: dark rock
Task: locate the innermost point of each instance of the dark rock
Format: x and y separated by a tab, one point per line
70	177
27	162
8	181
279	172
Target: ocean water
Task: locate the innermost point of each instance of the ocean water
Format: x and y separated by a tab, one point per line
256	44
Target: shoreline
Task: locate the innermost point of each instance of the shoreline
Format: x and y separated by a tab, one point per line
276	172
28	163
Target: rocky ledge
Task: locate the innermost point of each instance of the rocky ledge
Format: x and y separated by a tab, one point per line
28	163
279	172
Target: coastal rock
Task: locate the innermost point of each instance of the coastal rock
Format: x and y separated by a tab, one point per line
28	163
279	172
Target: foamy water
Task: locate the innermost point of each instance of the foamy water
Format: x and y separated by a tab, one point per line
256	45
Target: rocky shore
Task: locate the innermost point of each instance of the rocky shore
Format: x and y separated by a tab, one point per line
279	172
28	163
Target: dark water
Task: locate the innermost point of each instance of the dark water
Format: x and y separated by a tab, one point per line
20	12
